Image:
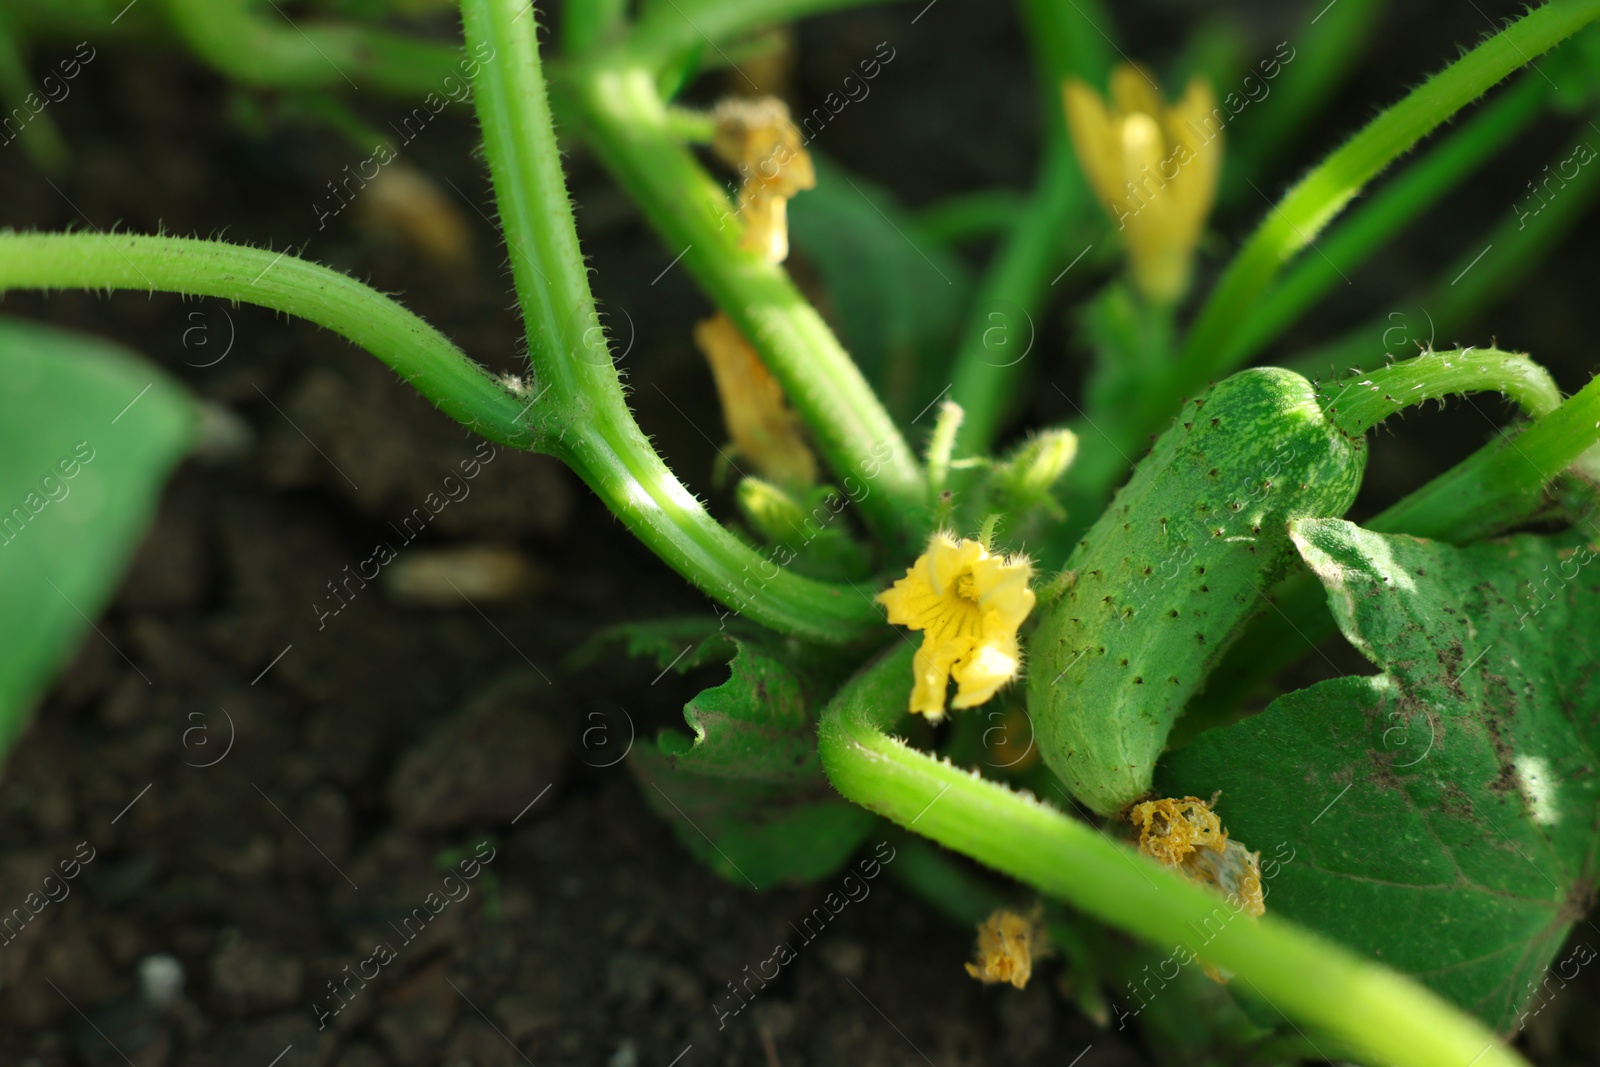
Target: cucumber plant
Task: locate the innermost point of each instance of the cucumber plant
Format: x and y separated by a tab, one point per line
1146	619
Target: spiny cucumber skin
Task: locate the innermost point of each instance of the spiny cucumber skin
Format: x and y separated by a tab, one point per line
1173	568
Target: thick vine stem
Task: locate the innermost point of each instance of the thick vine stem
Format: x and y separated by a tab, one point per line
594	430
1305	977
257	47
628	124
1360	402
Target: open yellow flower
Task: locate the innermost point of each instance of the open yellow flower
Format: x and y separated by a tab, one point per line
1154	167
968	604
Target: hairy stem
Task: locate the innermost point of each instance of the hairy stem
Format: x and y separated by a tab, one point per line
678	528
1302	975
1295	221
1380	220
585	416
416	351
1359	403
1502	484
628	124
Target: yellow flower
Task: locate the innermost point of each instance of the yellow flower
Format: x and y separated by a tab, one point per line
764	429
1153	166
759	140
968	604
1006	948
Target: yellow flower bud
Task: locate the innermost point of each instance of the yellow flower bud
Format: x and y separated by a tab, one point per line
1154	167
763	428
759	140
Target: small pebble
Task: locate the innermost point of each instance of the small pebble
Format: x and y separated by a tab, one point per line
160	980
445	577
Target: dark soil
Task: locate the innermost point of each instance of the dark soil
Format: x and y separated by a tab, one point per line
268	792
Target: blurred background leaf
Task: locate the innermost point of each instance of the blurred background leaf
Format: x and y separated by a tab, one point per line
88	435
895	296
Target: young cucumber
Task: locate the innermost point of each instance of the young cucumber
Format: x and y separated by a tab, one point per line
1170	572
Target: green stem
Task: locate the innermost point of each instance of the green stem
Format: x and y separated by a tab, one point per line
669	29
586	419
588	24
257	47
989	365
565	339
416	351
691	126
628	125
1294	222
1069	38
1381	219
1327	50
1356	406
1502	484
972	216
991	355
1304	976
664	515
1477	281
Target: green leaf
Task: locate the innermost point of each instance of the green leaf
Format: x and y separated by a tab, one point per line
745	794
896	298
756	833
88	435
678	643
1444	812
757	725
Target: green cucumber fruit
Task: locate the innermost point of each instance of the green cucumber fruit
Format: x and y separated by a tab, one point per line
1169	573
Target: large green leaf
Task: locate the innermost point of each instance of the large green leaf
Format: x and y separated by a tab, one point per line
1443	812
896	297
88	435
